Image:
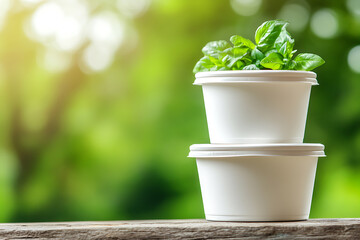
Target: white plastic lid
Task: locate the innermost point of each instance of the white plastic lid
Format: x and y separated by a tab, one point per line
255	76
240	150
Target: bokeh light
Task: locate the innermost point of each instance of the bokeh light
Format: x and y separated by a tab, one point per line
133	8
30	3
66	26
106	28
246	7
70	36
59	25
353	6
324	23
97	57
354	59
106	33
4	8
296	14
46	19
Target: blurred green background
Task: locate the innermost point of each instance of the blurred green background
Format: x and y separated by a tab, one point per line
97	106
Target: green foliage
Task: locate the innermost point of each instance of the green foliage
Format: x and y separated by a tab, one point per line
274	50
268	33
307	61
273	61
240	41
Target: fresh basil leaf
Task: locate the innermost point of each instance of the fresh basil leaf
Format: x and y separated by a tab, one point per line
270	51
234	55
216	61
237	51
215	47
222	69
256	54
283	37
247	59
240	41
273	61
257	63
284	43
284	49
274	50
262	29
287	49
267	34
307	61
229	61
290	65
203	65
239	65
251	67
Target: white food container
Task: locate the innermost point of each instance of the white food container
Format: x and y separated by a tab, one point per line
257	182
250	106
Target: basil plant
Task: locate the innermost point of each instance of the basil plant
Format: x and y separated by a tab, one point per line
273	49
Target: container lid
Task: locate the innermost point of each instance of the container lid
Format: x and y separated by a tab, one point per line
255	76
240	150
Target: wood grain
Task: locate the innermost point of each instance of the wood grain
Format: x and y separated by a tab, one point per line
185	229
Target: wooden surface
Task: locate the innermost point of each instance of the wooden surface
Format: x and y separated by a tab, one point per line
184	229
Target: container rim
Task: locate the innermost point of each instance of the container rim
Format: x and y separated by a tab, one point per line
240	150
255	76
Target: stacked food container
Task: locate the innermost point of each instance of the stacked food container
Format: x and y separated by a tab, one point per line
256	167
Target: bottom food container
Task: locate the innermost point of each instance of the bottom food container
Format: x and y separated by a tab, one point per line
257	182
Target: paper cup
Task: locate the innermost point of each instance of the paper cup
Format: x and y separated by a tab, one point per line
263	106
269	182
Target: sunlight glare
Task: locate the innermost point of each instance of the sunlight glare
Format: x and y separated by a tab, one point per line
46	19
133	8
106	28
246	7
5	6
324	23
297	15
354	59
97	57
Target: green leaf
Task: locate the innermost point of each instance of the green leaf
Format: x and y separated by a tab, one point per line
237	51
234	55
221	69
240	41
290	65
274	50
270	51
216	61
215	47
251	67
285	49
273	61
256	54
257	63
267	34
247	59
203	65
307	61
284	43
239	65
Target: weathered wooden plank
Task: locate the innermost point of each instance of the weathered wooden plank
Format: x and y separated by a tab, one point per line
185	229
